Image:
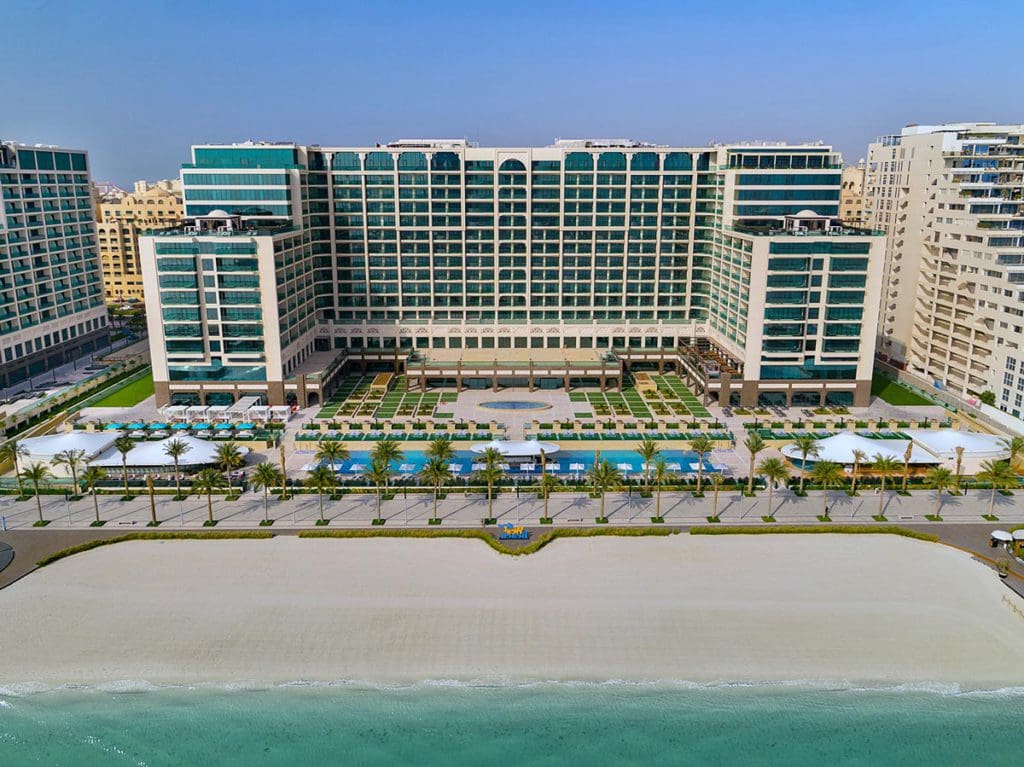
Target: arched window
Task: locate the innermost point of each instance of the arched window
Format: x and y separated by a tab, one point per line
380	161
512	166
678	161
644	161
444	161
579	161
412	161
345	161
611	161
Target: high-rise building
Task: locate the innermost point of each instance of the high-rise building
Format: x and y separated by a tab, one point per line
949	199
851	201
119	220
535	266
51	290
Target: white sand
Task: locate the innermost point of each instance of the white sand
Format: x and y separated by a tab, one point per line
859	608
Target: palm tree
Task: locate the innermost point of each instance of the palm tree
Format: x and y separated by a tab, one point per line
716	485
548	482
942	479
859	457
648	449
321	479
175	449
959	465
604	477
12	451
702	446
435	472
492	457
884	466
124	445
74	460
490	475
1001	475
266	475
284	477
38	473
906	465
773	470
441	447
755	445
808	447
827	474
387	451
379	473
152	501
90	477
207	481
229	457
659	476
1015	447
331	452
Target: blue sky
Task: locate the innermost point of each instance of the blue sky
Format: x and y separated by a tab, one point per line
137	83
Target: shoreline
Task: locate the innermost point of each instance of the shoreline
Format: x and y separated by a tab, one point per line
870	611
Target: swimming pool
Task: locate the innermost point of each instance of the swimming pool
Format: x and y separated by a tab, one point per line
565	462
514	404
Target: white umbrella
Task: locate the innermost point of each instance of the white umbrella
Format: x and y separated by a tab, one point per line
674	467
357	467
407	467
625	467
1018	535
479	466
576	467
1002	535
528	467
504	466
554	467
455	468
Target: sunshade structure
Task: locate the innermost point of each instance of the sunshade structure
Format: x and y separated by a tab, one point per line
43	449
152	455
944	442
530	448
1002	536
839	449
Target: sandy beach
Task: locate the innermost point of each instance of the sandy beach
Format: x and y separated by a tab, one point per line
872	609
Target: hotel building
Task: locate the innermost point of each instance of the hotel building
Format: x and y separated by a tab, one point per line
950	200
539	267
119	220
51	291
851	203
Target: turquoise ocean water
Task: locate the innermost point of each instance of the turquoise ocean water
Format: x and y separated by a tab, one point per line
547	724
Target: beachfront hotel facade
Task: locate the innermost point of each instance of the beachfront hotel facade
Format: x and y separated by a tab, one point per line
949	198
539	267
51	288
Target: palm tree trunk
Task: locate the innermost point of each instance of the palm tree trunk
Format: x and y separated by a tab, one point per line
436	490
602	504
824	500
96	503
39	504
266	503
881	497
124	468
378	502
284	477
490	501
938	500
209	504
906	473
714	504
853	481
700	472
803	471
992	500
771	488
177	477
152	499
17	475
750	476
657	504
321	494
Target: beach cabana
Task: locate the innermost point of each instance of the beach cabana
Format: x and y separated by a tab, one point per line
280	412
196	413
175	413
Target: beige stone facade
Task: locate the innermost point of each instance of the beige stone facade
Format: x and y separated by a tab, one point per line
949	198
120	220
851	201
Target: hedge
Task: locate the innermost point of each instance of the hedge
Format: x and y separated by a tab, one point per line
811	530
151	536
498	545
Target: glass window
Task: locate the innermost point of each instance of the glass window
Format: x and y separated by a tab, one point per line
579	161
380	161
412	161
345	161
611	161
445	161
644	161
678	161
511	166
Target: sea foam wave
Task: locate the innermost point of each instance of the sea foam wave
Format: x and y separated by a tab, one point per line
135	686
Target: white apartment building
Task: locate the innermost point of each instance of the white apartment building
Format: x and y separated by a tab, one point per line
949	199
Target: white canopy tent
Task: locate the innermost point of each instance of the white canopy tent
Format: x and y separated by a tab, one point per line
43	449
530	448
944	442
839	449
153	455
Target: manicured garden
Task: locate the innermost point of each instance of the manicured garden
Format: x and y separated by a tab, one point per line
129	394
895	393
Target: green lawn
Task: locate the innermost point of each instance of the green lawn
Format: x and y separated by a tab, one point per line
129	394
895	393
